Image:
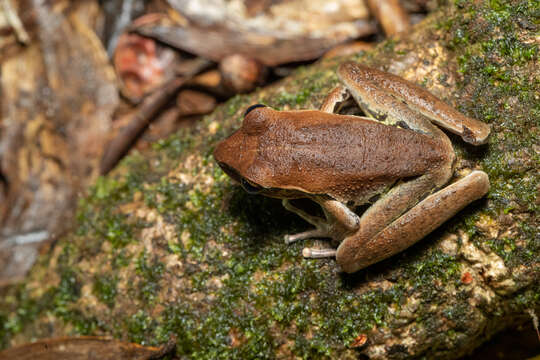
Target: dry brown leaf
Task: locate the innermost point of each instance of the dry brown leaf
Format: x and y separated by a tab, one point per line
85	348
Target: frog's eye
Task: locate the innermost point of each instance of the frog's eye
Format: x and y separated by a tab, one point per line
250	187
253	107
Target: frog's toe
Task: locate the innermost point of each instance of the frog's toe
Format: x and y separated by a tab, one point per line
312	253
315	233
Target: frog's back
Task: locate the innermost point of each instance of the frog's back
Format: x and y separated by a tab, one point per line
348	157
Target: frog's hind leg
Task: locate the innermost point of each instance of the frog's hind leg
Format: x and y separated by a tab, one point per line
388	98
334	98
368	247
339	222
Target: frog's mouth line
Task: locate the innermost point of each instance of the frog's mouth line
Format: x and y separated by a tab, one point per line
233	174
253	188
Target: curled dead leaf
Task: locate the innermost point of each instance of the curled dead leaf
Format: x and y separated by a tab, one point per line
359	341
466	278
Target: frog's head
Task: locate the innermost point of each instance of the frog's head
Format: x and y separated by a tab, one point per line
242	158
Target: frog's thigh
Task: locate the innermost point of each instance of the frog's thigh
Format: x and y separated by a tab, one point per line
413	225
338	211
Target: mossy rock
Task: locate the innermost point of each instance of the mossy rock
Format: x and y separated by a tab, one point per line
168	245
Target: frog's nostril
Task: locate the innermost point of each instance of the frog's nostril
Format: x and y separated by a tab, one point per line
253	107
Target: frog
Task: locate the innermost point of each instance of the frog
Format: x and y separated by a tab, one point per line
375	142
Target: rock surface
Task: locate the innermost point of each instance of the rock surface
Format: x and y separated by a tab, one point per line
168	245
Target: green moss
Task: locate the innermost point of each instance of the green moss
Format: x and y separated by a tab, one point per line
120	258
82	324
117	232
527	299
234	104
58	301
26	309
310	89
105	289
277	303
165	196
460	3
150	273
461	37
108	224
61	301
106	187
67	292
297	98
140	327
179	319
430	268
389	45
175	145
494	58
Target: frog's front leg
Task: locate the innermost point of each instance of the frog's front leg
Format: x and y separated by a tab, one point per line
376	241
319	223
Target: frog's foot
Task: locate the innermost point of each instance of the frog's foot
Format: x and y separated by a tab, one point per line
322	228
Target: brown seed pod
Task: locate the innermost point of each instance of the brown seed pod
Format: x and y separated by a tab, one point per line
241	74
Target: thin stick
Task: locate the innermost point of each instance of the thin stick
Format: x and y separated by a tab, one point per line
147	110
15	22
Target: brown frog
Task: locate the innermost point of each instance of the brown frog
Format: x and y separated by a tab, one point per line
395	159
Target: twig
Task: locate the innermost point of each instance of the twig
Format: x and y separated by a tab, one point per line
146	113
15	22
193	67
148	109
122	22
